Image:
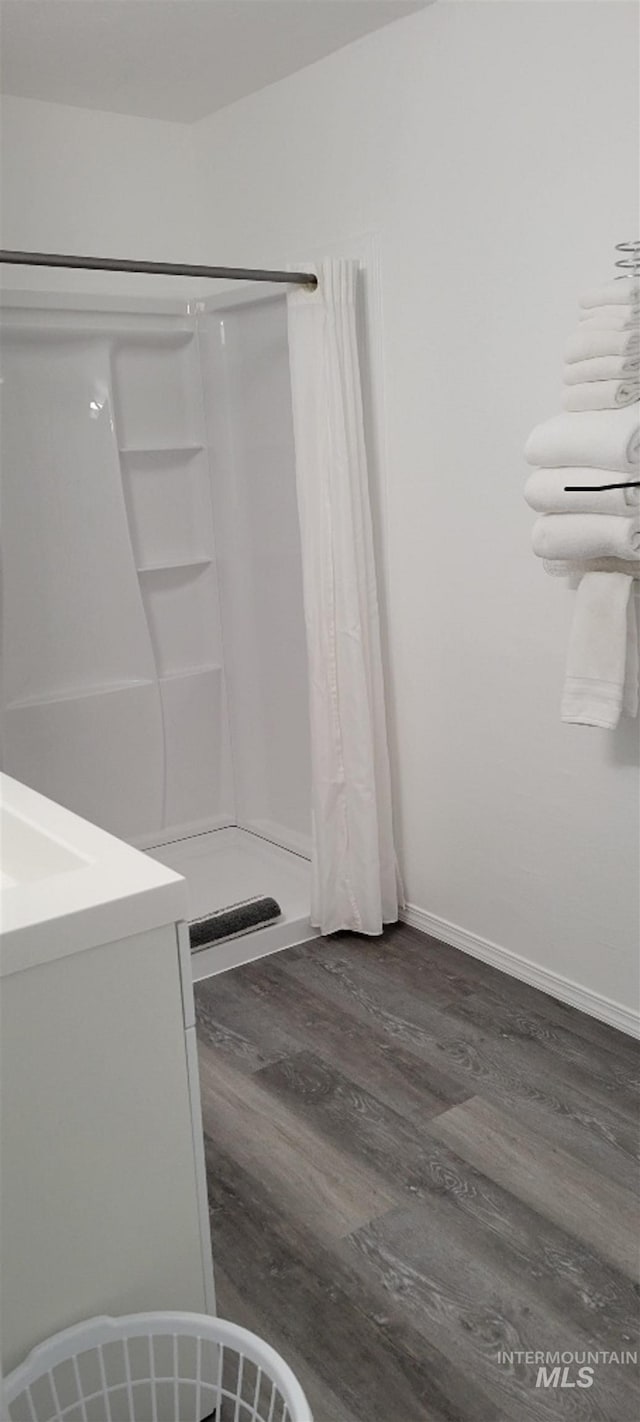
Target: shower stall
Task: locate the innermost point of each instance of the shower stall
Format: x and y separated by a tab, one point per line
154	659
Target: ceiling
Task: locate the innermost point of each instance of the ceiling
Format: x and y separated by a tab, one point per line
172	59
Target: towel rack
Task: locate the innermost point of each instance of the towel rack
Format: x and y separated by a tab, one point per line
600	488
629	262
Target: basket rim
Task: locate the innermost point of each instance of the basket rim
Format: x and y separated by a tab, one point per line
105	1328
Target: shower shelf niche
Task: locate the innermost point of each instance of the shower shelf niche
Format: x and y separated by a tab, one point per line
180	608
180	563
77	693
129	450
166	490
203	670
164	465
166	485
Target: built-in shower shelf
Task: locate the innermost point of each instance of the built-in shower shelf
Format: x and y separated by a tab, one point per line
151	449
185	672
178	566
77	693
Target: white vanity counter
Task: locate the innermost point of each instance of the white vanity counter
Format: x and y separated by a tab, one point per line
67	885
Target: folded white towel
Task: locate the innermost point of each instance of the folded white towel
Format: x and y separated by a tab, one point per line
602	394
546	492
600	439
607	367
572	536
591	340
602	663
613	318
559	568
621	291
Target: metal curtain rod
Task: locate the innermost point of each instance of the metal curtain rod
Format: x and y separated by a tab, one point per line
114	264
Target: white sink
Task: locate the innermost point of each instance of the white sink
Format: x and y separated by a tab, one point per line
29	853
66	885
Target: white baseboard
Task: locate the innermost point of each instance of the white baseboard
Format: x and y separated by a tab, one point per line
543	978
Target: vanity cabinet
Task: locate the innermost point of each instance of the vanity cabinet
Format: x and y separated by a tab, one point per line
103	1205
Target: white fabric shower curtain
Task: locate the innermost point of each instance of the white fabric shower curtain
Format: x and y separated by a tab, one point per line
354	877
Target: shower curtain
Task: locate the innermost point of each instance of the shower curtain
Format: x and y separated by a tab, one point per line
354	876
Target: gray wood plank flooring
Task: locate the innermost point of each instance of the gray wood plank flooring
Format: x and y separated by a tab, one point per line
415	1162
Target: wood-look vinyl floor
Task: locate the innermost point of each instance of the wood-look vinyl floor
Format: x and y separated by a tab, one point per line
415	1162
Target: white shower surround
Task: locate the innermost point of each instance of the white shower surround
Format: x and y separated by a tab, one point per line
149	477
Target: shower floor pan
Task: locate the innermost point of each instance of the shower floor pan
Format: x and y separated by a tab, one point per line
227	866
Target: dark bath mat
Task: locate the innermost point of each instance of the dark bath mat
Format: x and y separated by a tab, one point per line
229	922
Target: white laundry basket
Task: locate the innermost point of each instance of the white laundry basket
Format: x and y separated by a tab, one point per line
154	1367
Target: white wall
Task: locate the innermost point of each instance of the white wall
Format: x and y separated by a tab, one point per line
492	150
77	180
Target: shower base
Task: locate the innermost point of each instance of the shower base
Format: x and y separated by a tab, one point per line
228	865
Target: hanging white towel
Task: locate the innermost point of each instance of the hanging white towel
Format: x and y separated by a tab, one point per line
586	536
546	492
602	439
602	395
590	340
621	291
613	318
608	367
602	664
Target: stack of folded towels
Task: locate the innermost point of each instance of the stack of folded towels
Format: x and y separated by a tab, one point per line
595	532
